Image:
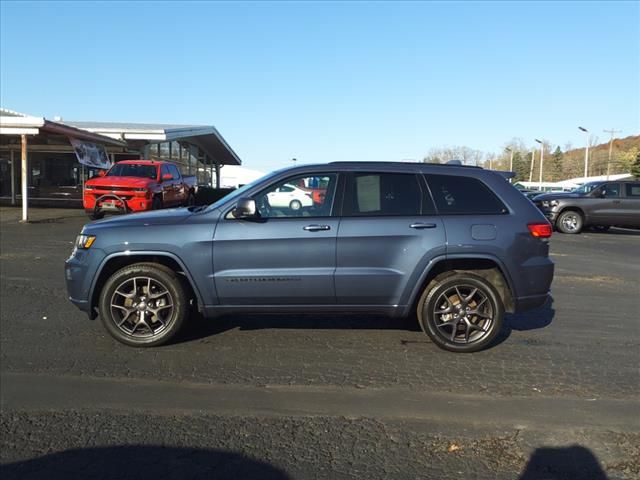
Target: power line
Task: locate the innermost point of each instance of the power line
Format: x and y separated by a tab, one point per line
612	132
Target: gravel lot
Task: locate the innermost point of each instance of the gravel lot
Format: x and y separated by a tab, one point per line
321	397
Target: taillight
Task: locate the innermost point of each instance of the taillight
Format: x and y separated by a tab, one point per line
540	230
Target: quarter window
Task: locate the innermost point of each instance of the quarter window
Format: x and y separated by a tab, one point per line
457	195
379	194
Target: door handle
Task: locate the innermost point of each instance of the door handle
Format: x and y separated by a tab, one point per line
420	225
316	228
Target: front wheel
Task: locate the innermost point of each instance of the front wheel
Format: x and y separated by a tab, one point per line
156	204
462	312
143	305
295	205
570	221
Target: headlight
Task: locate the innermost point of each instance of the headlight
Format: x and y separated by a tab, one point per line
84	242
143	189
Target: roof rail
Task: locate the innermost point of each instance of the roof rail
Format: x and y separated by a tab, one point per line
450	163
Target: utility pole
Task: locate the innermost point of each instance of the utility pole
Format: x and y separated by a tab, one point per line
612	132
533	159
541	160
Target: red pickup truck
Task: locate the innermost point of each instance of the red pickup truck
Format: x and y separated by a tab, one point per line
136	186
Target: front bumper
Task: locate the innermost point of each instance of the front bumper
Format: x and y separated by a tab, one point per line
113	203
79	271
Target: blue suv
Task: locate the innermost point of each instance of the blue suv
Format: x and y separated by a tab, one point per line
456	246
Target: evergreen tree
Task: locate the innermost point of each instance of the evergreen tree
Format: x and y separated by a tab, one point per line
635	166
520	167
557	165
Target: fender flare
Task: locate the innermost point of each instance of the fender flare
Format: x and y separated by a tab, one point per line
417	287
148	253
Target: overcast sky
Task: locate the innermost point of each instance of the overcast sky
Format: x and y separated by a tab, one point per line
331	81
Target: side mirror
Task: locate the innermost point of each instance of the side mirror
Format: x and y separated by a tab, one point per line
167	176
102	173
245	208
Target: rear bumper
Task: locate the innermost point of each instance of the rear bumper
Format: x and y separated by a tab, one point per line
524	304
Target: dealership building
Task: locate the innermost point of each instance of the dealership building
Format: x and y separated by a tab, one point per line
41	151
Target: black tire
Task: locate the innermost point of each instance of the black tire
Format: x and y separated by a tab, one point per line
164	311
96	216
475	317
295	205
191	200
570	221
156	204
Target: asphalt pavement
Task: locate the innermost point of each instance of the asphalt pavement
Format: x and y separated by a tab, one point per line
304	396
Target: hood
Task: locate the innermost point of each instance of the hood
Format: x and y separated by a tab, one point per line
130	182
555	196
169	216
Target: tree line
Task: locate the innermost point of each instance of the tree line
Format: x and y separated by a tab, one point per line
559	164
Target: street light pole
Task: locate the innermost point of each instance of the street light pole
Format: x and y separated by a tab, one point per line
586	152
541	161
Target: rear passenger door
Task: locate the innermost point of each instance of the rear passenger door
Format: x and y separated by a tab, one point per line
473	216
607	206
631	204
388	233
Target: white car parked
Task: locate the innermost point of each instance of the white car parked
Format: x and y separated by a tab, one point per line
291	197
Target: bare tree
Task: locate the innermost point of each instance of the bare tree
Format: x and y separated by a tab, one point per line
467	155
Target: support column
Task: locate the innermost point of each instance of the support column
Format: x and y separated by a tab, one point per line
217	174
13	178
25	179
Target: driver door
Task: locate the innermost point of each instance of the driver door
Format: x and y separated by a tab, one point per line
285	257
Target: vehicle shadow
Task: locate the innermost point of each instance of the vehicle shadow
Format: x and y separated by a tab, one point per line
198	327
565	463
141	462
616	231
522	322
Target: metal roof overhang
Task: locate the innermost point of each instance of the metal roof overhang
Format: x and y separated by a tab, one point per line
206	137
26	125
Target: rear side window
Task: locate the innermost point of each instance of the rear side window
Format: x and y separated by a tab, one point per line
382	194
455	195
632	190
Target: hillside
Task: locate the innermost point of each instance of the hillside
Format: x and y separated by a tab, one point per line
560	165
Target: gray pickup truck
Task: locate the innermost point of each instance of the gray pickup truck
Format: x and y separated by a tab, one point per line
599	205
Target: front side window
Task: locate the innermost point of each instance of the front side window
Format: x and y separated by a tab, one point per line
382	194
609	190
457	195
304	196
173	170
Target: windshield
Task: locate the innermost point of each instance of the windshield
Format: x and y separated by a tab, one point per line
240	191
586	188
133	170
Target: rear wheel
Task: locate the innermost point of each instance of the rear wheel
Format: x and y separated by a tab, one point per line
143	305
191	200
570	221
461	312
295	205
